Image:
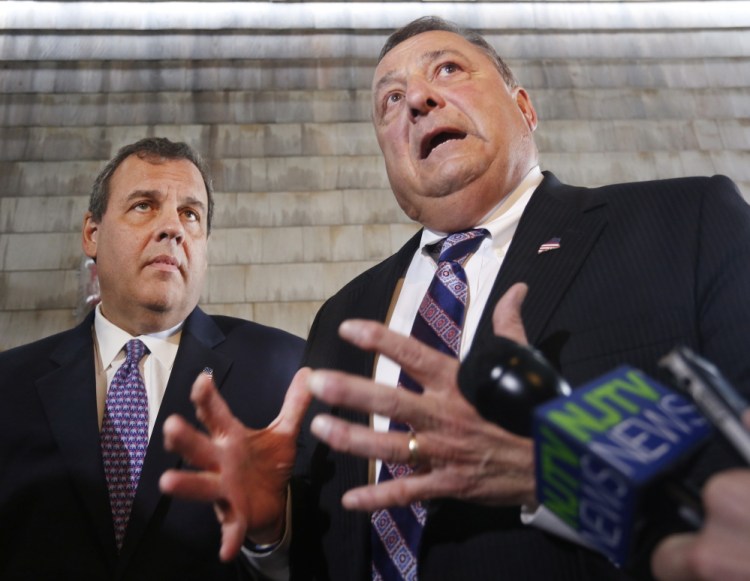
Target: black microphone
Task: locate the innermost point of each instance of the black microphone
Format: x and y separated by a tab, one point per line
505	381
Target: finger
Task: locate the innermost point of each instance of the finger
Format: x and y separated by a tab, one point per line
210	407
397	492
343	436
201	486
669	562
296	402
506	318
429	367
232	538
195	447
364	395
725	499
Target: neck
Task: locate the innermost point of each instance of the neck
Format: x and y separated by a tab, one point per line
148	323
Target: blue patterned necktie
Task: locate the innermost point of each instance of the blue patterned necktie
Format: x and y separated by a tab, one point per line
124	436
397	531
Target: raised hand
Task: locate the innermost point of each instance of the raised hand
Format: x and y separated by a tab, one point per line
459	454
244	472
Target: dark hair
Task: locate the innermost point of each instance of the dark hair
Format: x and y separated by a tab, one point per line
149	148
432	23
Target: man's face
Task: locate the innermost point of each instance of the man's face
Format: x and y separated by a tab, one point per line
455	138
151	243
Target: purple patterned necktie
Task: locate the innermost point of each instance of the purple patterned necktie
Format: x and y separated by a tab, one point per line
397	531
124	436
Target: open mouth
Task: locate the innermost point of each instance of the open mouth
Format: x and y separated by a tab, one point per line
431	142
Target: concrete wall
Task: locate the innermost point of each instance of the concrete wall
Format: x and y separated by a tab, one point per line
277	96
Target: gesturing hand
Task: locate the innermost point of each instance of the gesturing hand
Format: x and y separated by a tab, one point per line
460	454
244	472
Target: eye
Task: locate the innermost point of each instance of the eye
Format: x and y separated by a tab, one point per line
393	99
448	68
142	207
191	215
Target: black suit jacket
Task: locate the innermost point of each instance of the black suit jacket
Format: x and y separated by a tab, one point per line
641	268
55	520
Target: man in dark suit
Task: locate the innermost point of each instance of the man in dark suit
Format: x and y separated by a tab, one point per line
649	297
147	228
619	274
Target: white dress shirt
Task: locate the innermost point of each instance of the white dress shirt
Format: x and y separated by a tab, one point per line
155	366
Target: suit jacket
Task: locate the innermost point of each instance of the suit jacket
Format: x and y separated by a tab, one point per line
55	520
641	268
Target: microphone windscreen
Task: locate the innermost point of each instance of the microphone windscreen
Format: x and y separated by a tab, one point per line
600	451
505	381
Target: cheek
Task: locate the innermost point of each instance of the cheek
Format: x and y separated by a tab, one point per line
393	139
198	254
115	249
399	165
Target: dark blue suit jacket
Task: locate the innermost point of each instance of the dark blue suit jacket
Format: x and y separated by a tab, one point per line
641	268
55	520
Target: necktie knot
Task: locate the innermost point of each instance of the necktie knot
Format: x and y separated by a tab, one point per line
459	245
134	351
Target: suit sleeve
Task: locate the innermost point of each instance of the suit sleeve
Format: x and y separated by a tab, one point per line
723	281
723	299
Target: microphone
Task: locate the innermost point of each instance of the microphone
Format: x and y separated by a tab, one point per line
714	396
610	458
505	381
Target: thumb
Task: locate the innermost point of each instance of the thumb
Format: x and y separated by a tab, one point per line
296	402
506	318
669	561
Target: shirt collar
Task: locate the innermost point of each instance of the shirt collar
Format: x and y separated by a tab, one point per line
111	339
507	211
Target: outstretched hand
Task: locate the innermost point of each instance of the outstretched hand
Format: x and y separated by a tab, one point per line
460	454
244	472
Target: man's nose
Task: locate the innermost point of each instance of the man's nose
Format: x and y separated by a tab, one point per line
171	227
422	97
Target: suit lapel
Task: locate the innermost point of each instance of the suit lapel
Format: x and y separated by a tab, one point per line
68	396
196	351
371	300
555	211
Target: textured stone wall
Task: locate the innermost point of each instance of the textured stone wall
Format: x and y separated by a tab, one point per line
277	96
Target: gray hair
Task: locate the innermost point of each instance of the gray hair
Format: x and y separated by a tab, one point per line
433	23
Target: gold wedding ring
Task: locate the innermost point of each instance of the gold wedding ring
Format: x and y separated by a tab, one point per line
413	450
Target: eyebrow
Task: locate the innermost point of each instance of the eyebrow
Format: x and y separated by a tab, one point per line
156	194
427	57
135	194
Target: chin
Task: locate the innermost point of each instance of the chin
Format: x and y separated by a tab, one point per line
161	302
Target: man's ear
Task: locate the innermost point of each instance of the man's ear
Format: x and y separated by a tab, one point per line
89	235
526	106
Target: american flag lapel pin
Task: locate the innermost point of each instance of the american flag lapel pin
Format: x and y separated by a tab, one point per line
551	244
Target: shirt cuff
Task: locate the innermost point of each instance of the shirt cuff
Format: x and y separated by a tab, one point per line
546	520
271	562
